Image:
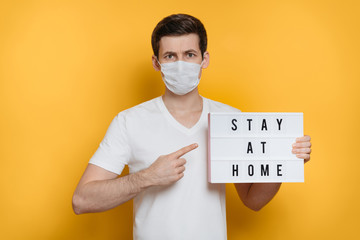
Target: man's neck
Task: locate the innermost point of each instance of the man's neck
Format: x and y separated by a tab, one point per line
190	102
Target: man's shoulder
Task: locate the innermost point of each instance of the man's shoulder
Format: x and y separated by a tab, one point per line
215	106
139	112
149	106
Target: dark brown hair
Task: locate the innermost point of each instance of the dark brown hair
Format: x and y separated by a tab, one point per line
176	25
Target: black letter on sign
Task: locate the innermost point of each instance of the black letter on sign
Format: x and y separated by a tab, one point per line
279	169
235	170
249	120
234	127
251	170
264	125
265	172
249	148
263	143
279	122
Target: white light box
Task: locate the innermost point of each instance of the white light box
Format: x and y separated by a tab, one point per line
254	147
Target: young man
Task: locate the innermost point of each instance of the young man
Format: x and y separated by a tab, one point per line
158	139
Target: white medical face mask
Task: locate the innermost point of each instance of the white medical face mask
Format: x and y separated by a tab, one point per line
181	77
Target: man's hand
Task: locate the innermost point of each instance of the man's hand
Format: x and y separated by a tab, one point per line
169	168
302	148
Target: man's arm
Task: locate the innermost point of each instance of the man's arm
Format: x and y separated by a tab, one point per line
100	190
256	195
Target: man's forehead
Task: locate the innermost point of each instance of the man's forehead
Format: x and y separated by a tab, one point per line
179	43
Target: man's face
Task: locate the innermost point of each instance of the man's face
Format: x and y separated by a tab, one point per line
183	48
180	48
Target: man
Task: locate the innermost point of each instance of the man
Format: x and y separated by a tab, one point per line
158	139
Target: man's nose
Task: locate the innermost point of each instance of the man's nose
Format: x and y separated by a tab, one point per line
181	58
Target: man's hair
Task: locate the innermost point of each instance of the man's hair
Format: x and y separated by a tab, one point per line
177	25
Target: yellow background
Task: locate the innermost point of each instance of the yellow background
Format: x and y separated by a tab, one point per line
68	67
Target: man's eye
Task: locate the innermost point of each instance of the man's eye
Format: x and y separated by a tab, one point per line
191	55
169	56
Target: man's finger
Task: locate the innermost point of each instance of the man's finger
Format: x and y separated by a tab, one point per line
306	157
180	162
302	145
301	150
179	153
305	138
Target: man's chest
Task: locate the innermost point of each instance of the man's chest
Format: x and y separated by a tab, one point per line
149	142
187	119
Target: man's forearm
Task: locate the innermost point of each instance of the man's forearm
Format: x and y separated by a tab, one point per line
102	195
257	195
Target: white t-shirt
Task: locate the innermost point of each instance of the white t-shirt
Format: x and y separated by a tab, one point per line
191	208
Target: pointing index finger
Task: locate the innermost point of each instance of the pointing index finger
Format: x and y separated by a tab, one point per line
179	153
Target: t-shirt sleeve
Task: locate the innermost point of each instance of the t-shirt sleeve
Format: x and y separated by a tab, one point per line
114	151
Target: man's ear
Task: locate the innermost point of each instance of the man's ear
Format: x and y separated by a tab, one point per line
206	60
205	63
155	63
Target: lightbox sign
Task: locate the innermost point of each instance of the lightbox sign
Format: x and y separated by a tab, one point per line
254	147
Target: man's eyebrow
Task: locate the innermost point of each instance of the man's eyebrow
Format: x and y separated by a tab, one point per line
169	52
190	50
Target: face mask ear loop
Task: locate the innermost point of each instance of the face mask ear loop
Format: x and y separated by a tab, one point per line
158	62
202	62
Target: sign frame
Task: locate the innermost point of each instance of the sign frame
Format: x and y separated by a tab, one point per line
238	152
